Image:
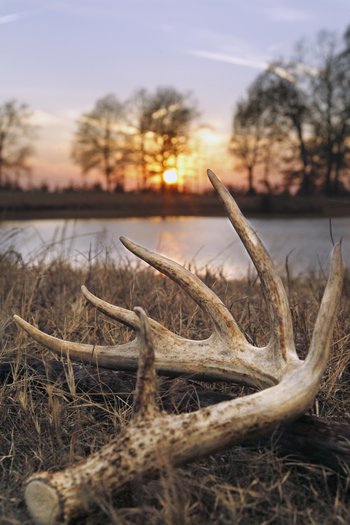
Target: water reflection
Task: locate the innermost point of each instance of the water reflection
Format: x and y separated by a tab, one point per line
197	241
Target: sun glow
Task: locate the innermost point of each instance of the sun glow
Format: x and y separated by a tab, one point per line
208	136
170	176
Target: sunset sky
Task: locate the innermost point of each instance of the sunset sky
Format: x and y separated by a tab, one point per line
60	56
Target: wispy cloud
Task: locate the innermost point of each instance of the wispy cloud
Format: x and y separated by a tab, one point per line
7	19
231	59
254	63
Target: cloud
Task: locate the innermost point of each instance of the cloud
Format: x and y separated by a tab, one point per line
231	59
287	14
253	63
7	19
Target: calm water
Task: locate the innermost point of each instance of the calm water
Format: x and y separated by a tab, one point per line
198	241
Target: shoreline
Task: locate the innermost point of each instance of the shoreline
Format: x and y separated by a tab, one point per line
77	205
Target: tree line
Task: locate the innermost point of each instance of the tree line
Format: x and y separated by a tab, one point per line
145	135
290	133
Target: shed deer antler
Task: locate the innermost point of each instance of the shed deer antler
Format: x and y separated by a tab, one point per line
59	497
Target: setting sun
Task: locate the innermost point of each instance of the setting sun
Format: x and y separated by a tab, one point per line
170	176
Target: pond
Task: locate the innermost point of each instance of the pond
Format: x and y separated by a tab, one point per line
198	241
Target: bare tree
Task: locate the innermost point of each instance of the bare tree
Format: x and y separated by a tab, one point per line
329	84
312	101
16	133
101	140
249	132
287	120
140	140
303	103
165	123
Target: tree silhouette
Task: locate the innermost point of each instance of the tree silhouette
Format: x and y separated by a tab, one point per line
246	138
303	103
287	119
164	125
140	140
16	133
101	141
253	136
329	90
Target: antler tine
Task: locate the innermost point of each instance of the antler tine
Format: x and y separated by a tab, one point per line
224	323
282	329
145	405
321	337
105	356
122	315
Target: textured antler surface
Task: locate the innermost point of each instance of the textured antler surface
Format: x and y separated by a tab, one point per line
226	354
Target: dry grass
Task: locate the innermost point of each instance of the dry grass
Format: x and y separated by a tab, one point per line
48	424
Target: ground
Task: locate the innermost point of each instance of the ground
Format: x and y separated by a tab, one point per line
55	414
